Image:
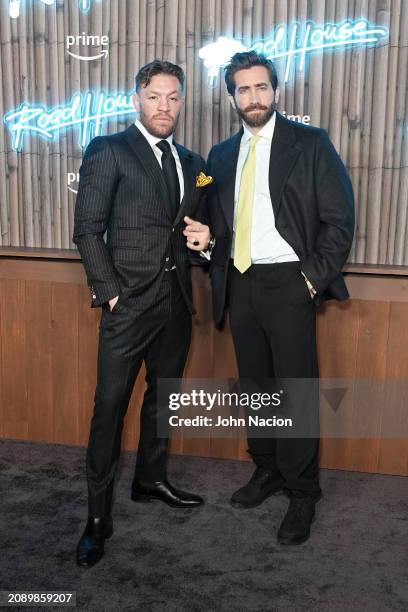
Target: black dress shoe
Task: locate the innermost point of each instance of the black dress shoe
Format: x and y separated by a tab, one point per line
164	491
295	527
90	547
262	485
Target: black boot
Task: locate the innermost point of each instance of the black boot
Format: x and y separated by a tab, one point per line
295	527
261	485
90	547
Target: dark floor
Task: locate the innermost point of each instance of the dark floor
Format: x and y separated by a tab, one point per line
212	559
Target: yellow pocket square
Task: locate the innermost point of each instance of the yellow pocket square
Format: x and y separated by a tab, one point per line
202	180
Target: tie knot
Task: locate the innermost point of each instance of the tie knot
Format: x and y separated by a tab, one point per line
164	146
253	141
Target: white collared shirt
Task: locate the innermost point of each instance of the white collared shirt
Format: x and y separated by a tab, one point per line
267	245
153	140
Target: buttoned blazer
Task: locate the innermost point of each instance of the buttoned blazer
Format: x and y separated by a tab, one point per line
122	228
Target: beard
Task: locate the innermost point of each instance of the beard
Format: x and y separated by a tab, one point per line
159	131
258	119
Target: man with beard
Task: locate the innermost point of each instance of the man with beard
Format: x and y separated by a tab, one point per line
282	212
139	187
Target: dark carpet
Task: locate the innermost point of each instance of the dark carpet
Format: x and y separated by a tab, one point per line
214	558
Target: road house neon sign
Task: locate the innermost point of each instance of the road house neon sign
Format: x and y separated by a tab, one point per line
14	6
86	112
295	42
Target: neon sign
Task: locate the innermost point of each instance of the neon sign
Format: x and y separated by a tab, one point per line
14	6
295	42
85	112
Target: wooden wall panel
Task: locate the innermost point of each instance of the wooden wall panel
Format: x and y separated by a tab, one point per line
64	343
13	373
373	323
337	332
38	363
48	350
393	454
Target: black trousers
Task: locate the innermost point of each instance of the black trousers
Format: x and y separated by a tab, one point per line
273	325
159	336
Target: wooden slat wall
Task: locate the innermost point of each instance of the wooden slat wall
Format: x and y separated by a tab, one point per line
48	346
359	95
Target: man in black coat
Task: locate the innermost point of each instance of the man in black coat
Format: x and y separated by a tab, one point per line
281	210
139	187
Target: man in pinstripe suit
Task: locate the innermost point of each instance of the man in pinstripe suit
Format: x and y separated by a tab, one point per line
139	187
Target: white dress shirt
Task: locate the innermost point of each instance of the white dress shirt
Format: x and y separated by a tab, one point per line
267	245
153	140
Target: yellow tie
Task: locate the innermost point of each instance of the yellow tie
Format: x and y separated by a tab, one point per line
242	244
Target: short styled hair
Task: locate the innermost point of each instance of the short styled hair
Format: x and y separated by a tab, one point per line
245	60
155	67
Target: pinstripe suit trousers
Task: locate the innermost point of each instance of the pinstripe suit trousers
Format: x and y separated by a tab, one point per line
160	337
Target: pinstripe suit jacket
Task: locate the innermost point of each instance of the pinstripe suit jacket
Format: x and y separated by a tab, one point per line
122	192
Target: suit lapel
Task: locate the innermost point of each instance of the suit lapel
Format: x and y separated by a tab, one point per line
148	162
189	176
284	153
227	172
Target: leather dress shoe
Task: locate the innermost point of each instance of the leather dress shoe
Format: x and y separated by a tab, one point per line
261	485
147	491
90	547
295	527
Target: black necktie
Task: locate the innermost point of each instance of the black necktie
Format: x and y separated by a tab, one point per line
171	177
